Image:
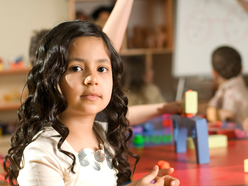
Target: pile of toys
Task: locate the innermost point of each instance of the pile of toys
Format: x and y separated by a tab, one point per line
157	131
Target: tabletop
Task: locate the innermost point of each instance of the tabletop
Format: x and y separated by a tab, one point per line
226	165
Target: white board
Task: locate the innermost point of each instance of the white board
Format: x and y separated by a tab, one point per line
203	25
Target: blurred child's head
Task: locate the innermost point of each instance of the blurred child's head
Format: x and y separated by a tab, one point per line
101	15
137	73
226	63
34	43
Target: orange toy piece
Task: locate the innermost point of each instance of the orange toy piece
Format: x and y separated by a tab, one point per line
163	164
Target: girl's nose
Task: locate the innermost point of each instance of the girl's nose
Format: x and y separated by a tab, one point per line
91	80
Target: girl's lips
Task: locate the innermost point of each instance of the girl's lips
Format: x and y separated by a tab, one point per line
91	97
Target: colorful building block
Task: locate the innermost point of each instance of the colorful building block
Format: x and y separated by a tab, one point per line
153	133
228	132
196	128
158	137
167	121
214	141
246	165
231	130
190	102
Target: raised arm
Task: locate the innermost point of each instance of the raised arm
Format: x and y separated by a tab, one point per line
116	24
141	113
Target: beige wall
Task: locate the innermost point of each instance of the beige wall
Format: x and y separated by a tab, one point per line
19	18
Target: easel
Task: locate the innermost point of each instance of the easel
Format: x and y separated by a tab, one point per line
180	88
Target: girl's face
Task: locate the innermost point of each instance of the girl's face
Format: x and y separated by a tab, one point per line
87	83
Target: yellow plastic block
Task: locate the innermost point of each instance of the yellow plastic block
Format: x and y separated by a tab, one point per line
190	102
214	141
246	165
190	143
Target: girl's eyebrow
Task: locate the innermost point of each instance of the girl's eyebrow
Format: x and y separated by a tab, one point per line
101	60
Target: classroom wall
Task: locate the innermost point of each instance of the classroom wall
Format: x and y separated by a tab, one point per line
18	20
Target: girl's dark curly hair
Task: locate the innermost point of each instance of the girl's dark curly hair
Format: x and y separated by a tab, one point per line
45	102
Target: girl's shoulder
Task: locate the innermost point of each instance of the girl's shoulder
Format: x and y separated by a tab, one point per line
46	136
46	143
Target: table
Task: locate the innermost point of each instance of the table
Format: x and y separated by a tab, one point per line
226	167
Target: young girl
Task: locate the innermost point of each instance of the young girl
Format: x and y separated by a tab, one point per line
57	141
115	29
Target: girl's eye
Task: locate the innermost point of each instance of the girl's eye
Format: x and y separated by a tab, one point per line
102	69
75	69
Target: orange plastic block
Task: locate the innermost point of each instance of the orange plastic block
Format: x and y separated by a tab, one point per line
163	164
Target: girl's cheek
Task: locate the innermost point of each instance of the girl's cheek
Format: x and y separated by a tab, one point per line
72	81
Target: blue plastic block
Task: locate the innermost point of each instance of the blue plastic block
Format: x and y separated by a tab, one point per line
196	128
181	139
148	127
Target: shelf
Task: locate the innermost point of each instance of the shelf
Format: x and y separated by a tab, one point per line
13	72
8	106
145	51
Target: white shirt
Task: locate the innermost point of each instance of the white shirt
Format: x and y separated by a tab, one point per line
45	165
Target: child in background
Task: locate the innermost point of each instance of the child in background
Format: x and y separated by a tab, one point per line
58	141
231	99
101	15
138	82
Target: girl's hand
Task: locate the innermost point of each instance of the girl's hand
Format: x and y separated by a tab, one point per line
168	180
151	179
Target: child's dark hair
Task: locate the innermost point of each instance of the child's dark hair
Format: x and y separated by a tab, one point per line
100	9
227	62
45	102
